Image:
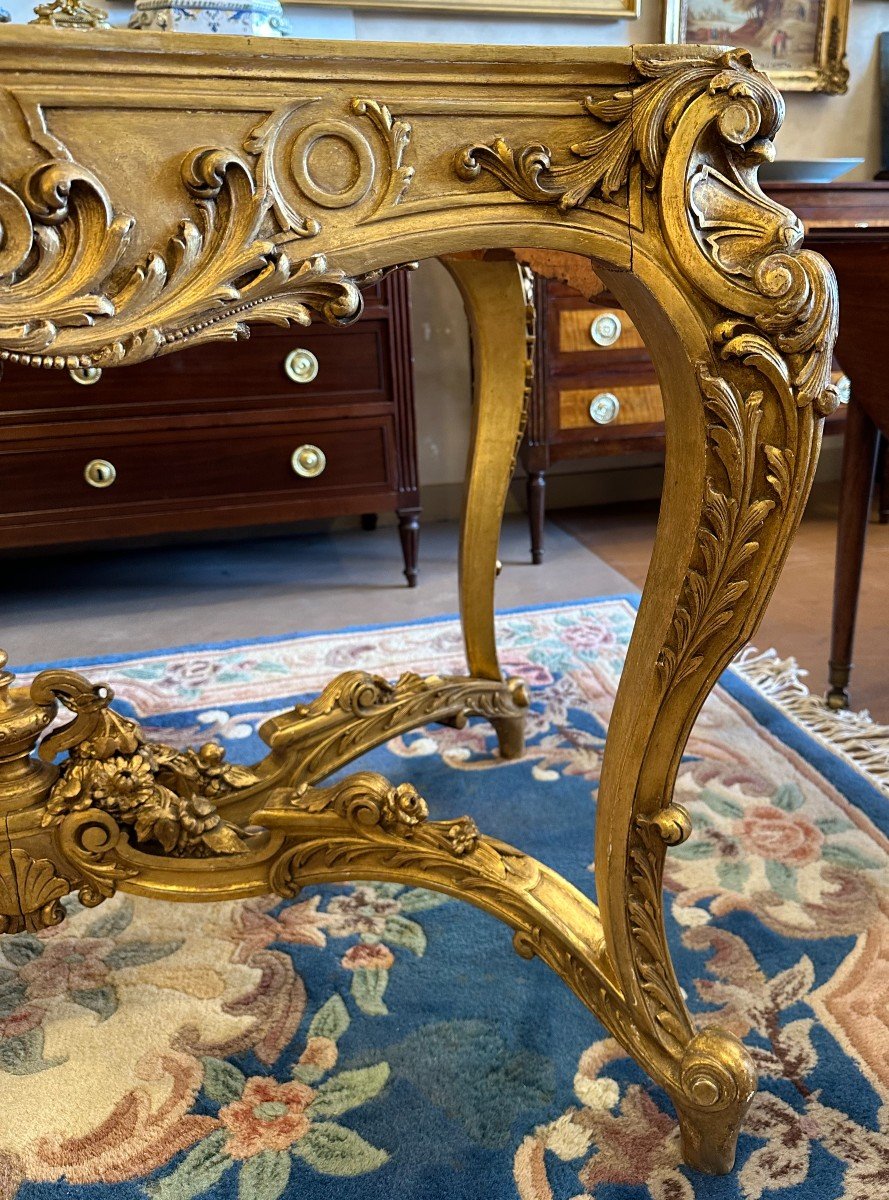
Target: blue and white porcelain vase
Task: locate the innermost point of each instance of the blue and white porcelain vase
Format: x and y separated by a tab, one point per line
261	18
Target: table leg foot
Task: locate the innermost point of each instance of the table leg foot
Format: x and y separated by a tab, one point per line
718	1081
510	736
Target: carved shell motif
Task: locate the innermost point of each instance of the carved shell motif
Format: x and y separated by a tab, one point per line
30	892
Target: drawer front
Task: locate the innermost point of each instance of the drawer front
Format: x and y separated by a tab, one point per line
243	465
283	369
597	330
592	408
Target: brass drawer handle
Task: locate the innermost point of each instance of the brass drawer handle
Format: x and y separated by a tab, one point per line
99	473
85	375
301	366
606	329
308	461
604	408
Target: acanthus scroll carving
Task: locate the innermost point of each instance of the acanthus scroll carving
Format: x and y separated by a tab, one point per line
70	297
774	291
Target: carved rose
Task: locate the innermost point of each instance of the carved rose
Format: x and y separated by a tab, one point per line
781	836
463	836
67	965
374	956
403	807
268	1116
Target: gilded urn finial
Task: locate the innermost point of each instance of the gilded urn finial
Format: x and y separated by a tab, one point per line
71	14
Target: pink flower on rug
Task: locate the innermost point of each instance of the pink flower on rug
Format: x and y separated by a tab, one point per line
590	636
365	911
68	965
19	1023
192	672
268	1116
376	957
784	837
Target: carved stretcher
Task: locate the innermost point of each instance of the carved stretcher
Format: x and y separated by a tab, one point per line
161	193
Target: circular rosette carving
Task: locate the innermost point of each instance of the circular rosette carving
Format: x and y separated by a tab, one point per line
332	164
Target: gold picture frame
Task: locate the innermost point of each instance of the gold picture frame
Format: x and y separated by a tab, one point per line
608	9
819	27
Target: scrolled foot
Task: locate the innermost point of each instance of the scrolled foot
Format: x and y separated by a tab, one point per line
510	731
510	736
718	1083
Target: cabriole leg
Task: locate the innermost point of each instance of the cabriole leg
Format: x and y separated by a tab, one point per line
498	300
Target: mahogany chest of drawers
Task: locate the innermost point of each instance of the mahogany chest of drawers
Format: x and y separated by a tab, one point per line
296	423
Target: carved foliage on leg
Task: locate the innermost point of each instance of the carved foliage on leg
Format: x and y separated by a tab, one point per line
731	517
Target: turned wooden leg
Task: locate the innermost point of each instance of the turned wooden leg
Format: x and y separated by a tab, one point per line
497	303
883	480
856	492
409	532
536	492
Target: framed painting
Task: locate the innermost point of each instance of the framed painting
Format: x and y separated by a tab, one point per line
612	9
800	43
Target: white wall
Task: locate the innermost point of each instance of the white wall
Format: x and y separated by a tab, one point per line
816	127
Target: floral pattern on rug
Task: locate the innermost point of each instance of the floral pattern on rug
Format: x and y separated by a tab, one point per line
377	1041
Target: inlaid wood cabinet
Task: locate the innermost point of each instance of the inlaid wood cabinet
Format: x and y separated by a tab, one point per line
595	391
297	423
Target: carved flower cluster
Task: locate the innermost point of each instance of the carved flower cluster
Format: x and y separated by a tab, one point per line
165	795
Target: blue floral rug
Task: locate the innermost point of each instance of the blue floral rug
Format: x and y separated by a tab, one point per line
385	1043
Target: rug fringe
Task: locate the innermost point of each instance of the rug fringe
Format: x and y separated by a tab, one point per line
854	735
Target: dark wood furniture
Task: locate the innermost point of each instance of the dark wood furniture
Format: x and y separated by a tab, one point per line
849	224
305	423
595	389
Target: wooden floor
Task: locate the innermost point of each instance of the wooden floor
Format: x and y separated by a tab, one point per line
798	618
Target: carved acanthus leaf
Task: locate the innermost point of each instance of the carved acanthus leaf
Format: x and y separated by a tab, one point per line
396	135
648	838
752	241
30	892
357	710
639	122
61	262
731	516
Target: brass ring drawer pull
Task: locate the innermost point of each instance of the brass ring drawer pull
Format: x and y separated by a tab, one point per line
85	375
99	473
604	408
606	329
301	366
308	461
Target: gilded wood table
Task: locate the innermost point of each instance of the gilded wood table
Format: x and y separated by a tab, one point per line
160	193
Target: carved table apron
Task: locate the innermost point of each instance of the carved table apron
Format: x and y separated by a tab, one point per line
158	193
